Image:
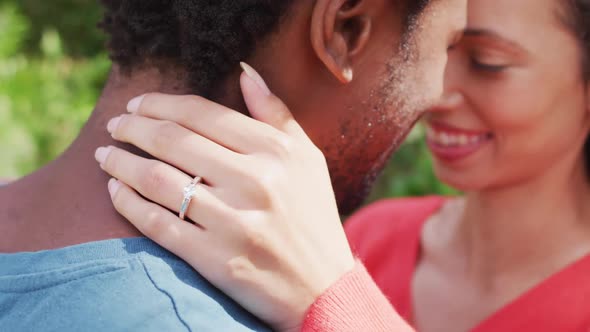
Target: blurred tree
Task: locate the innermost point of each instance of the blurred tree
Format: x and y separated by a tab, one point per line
45	97
74	20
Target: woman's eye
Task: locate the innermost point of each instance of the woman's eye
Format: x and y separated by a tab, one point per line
478	65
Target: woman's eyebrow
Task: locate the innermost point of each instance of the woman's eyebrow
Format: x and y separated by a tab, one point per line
486	33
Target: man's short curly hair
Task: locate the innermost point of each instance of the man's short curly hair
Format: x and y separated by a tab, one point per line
205	38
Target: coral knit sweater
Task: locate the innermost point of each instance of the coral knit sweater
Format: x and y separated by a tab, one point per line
386	237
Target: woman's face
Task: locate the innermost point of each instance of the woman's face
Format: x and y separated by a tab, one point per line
515	101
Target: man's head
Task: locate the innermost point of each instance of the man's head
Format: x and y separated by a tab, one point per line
355	73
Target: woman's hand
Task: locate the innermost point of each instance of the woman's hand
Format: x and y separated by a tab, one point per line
267	230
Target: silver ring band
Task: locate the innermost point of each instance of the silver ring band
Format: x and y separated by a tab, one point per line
189	193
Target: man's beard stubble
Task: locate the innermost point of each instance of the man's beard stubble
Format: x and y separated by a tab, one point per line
397	106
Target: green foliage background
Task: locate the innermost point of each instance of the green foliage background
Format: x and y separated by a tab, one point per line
52	67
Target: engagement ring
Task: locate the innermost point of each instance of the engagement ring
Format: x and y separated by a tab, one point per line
188	192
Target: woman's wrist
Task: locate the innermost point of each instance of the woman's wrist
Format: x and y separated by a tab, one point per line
353	303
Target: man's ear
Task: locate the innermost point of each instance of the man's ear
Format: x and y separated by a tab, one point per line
340	29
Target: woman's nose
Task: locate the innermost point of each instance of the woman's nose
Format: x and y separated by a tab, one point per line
448	102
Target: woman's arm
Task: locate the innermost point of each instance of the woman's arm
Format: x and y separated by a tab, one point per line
267	230
354	303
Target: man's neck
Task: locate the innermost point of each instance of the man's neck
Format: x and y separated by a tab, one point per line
67	202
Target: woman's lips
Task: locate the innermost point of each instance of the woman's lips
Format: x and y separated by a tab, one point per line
449	143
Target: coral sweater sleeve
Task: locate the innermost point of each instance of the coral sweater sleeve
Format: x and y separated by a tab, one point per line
353	304
378	233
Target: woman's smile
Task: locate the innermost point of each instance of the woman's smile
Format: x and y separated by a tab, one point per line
451	144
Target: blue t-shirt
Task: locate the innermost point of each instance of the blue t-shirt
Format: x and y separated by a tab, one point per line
115	285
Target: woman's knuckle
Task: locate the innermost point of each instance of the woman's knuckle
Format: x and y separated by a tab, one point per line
274	175
166	135
244	217
260	180
155	226
255	237
154	180
187	115
187	105
281	145
264	181
190	101
239	268
249	170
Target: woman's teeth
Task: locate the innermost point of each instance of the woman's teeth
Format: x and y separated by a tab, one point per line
449	139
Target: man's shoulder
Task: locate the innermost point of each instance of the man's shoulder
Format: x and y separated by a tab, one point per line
116	285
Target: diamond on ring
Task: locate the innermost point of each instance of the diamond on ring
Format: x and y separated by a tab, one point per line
188	192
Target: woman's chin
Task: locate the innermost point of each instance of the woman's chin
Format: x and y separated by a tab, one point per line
462	180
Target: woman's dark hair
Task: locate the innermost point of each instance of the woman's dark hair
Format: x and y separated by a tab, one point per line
577	18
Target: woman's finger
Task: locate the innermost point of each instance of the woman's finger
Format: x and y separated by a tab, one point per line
164	185
157	223
266	107
219	124
178	146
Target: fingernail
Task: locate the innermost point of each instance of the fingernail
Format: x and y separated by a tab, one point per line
114	187
253	74
113	124
133	105
102	154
